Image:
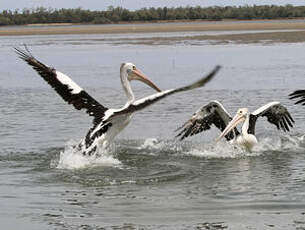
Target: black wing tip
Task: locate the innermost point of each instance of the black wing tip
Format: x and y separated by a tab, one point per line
217	67
300	91
185	132
294	96
289	120
179	128
24	54
180	136
207	77
286	123
298	94
215	70
302	101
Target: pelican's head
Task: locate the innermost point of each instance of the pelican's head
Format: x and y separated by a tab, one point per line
239	117
135	74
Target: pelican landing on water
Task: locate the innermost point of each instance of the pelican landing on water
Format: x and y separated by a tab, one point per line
215	114
107	123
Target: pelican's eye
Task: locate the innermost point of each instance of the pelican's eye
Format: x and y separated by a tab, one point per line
134	68
240	112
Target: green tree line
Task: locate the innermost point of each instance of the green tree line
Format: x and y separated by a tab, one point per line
118	14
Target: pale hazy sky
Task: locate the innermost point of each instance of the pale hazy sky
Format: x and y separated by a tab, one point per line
134	4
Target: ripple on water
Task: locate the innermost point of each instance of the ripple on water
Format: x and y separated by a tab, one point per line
182	169
147	162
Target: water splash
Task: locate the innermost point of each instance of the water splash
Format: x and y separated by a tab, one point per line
225	149
280	144
220	150
155	145
70	158
152	143
301	140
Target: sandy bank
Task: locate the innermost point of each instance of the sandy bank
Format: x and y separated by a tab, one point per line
154	27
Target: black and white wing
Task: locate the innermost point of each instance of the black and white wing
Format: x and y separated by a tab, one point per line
276	114
211	114
115	116
147	101
65	87
300	95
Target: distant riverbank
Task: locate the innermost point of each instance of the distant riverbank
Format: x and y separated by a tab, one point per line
47	29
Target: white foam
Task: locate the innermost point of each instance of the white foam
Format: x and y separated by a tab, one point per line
219	150
278	143
71	159
152	143
267	144
224	149
301	140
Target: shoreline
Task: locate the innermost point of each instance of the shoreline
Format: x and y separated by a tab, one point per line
143	27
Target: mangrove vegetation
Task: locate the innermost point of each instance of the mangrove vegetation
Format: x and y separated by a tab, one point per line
118	14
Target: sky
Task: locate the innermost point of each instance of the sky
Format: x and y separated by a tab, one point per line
135	4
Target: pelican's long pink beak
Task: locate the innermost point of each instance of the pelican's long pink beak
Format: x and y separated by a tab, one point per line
143	78
232	124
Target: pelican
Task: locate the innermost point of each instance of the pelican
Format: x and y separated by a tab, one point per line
300	95
107	123
215	114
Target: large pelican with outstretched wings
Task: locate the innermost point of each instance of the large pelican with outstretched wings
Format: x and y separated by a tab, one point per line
107	123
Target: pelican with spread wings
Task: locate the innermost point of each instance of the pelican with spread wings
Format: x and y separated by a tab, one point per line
107	123
215	114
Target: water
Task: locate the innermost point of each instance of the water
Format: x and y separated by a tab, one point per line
149	180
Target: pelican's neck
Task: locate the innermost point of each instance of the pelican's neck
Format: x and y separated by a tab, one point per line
127	87
245	127
247	140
